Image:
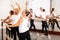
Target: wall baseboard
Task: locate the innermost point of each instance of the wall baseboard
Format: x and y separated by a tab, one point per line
50	32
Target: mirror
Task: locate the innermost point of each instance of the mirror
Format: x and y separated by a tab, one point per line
56	5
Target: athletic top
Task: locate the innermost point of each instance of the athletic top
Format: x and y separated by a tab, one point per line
53	15
33	16
43	14
24	26
15	18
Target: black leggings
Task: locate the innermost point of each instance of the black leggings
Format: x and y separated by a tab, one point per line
32	24
24	36
8	32
53	23
12	32
44	26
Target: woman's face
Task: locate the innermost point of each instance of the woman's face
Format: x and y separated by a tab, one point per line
41	9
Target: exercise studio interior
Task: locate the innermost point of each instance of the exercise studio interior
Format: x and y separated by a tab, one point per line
29	19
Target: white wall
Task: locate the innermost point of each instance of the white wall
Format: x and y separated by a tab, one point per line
56	5
5	6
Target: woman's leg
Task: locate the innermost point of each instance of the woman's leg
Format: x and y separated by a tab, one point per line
28	35
21	36
46	32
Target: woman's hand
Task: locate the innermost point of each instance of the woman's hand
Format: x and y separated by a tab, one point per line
8	26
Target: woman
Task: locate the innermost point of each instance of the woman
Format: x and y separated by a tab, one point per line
8	21
53	19
23	26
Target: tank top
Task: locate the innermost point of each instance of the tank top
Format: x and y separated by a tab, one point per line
24	26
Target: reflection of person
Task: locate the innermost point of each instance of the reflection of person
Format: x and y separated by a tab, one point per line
23	27
53	19
32	20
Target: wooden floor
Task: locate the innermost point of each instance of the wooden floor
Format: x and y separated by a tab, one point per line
34	36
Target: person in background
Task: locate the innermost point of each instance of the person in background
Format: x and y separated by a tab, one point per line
53	19
8	21
32	19
43	17
44	23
